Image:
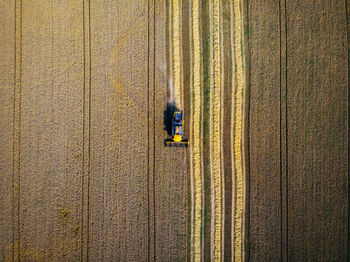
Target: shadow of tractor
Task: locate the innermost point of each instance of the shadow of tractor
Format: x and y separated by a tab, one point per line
168	117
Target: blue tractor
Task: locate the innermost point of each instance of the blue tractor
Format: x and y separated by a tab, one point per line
178	137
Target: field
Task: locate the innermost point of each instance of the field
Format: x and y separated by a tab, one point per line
87	91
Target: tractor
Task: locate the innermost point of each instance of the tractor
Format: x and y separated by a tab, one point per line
178	137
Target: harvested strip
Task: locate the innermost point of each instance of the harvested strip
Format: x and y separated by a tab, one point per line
196	144
171	95
238	97
215	147
176	59
232	135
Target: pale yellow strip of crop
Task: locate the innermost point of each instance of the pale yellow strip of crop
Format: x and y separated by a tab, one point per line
238	129
216	134
196	143
177	53
171	60
232	132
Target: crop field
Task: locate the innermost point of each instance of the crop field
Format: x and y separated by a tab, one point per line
87	93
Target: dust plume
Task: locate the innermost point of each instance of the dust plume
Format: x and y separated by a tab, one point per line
171	92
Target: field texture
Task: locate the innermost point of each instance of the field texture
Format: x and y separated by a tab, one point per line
87	92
